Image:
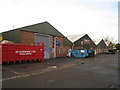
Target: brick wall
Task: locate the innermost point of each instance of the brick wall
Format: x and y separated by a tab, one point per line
67	49
51	47
26	37
61	50
101	50
77	47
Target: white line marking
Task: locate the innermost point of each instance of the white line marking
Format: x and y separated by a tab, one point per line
39	72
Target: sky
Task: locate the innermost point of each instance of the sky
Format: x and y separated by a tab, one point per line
97	18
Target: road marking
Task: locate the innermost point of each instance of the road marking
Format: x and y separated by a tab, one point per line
40	71
10	70
51	81
25	75
14	77
31	74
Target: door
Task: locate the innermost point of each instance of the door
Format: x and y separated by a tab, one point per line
46	40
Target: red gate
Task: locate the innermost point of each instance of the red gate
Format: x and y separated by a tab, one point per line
21	52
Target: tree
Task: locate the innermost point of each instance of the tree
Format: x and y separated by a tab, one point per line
117	46
110	40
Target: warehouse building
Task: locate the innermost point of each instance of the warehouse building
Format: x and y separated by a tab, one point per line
56	44
111	46
101	46
82	41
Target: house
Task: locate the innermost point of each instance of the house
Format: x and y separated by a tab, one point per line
101	46
56	44
82	41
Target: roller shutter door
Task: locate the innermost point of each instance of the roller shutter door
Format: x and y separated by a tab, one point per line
46	40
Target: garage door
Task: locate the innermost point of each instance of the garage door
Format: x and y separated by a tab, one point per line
46	40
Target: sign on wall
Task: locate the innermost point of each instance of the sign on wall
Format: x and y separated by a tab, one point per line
24	52
57	43
51	49
85	41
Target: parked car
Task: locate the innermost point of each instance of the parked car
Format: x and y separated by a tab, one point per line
106	52
112	51
109	52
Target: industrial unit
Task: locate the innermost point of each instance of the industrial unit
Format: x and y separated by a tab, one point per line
56	44
101	46
82	41
111	46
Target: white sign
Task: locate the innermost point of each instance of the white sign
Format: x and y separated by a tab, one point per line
25	52
85	41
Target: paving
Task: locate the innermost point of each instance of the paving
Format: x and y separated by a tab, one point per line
100	71
10	71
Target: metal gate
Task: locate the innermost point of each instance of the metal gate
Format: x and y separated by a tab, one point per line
46	40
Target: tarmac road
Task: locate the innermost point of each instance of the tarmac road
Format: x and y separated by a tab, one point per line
98	72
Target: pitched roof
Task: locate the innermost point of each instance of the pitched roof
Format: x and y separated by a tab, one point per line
110	45
43	28
96	41
75	37
102	44
107	43
67	42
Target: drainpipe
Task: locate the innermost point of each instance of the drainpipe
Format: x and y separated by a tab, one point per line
54	47
72	46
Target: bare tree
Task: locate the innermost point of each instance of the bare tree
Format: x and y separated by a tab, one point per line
109	40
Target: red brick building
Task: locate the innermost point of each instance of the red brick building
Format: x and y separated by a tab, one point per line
56	44
82	41
101	46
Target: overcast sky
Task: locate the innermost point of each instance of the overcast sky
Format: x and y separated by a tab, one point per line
97	18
